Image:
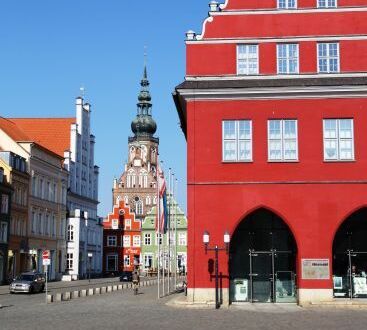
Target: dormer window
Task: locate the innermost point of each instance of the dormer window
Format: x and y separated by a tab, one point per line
287	4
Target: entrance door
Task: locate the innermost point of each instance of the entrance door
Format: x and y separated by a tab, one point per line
350	275
271	276
261	276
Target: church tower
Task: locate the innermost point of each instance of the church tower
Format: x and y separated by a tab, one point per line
137	184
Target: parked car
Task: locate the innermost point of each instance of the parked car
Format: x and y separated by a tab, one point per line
28	282
126	276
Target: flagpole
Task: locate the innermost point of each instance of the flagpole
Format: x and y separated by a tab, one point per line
175	230
158	231
163	247
169	228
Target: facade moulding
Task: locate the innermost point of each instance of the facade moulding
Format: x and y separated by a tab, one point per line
275	11
356	37
207	21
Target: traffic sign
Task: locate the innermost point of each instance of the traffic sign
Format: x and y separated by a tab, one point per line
46	262
46	254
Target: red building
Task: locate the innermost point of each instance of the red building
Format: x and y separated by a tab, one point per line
274	110
121	240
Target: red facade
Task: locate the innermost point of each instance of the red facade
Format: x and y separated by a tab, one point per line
121	240
312	195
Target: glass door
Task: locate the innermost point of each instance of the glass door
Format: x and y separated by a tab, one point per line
261	276
285	278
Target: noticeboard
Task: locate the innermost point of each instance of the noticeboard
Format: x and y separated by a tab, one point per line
315	269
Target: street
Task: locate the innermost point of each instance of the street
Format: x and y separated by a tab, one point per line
123	310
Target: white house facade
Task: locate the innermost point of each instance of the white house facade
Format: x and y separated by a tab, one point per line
84	230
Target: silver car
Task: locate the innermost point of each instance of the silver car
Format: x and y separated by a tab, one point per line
28	282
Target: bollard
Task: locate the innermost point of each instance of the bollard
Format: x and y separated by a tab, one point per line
90	292
109	288
97	290
114	288
49	298
119	287
65	296
83	293
75	295
103	289
58	297
125	286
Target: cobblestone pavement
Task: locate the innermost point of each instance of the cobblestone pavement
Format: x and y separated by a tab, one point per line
123	310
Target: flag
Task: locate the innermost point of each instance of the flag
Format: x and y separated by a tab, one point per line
161	222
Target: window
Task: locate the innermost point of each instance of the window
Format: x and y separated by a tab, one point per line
160	237
39	223
4	204
139	207
127	260
282	140
136	240
70	233
328	57
112	263
247	59
34	223
127	224
148	261
69	261
147	239
338	139
111	240
326	3
47	224
34	185
4	232
237	140
127	241
148	200
182	239
40	193
287	4
287	57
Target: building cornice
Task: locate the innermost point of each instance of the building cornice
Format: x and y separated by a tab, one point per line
83	198
267	89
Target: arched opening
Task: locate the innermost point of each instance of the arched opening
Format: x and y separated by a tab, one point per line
262	261
350	257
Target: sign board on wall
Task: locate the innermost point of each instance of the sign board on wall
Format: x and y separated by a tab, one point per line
315	269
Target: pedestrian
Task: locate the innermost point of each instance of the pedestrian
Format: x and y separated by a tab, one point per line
136	281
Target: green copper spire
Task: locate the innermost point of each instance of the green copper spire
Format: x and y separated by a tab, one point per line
144	124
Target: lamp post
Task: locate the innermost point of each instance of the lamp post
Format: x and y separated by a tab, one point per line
216	249
90	256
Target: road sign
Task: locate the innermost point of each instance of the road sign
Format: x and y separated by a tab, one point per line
46	262
46	254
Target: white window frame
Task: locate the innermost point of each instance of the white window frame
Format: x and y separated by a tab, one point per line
112	240
247	57
127	261
287	58
127	224
70	233
287	4
237	140
147	239
328	57
158	239
4	203
337	140
126	241
182	239
282	140
327	5
136	241
69	261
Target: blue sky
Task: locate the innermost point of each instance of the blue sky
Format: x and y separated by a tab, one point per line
48	49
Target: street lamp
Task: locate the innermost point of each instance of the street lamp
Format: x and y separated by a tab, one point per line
90	256
216	249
